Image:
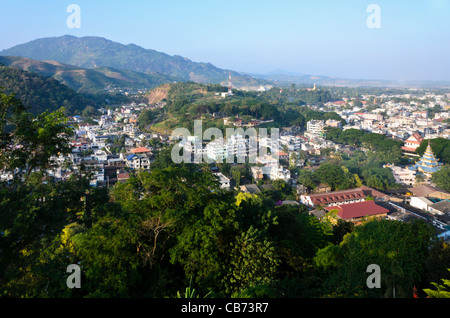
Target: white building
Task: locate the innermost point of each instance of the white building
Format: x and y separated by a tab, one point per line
217	151
279	172
403	175
224	181
101	156
137	161
420	203
237	146
106	120
315	127
291	142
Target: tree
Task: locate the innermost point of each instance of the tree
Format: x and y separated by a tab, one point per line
90	111
33	141
442	178
32	212
252	262
441	291
400	249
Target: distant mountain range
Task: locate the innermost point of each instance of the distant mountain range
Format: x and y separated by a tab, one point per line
107	57
280	77
92	63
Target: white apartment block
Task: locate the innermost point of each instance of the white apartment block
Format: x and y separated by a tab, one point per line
315	126
291	142
403	175
217	151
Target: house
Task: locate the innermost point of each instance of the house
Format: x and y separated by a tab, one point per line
322	188
342	197
429	191
250	188
420	203
356	212
441	207
403	175
283	155
224	181
122	176
137	161
279	172
257	172
333	198
315	127
412	143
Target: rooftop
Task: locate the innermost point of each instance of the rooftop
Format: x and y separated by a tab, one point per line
140	150
358	209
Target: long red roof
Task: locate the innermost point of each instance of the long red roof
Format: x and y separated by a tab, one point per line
358	209
337	196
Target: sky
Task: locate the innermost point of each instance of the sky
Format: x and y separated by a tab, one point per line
410	40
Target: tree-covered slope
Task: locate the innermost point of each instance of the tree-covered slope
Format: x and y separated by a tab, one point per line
40	93
88	80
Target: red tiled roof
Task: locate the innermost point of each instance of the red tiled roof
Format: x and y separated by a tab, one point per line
415	137
140	150
358	209
337	196
409	149
124	175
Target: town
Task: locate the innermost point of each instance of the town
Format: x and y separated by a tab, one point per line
113	147
225	152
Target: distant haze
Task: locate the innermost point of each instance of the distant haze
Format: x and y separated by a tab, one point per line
329	38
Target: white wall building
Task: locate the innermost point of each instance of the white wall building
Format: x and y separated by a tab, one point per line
224	181
403	175
420	203
315	126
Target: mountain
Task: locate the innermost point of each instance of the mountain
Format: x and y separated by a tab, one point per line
40	93
89	80
280	77
287	78
95	52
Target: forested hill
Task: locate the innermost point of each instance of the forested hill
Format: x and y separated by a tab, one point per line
40	93
88	80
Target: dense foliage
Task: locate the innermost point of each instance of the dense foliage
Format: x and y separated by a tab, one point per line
149	236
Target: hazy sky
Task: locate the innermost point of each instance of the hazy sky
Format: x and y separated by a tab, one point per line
322	37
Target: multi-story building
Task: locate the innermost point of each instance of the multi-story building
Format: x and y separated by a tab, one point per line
412	143
217	151
137	161
403	175
315	127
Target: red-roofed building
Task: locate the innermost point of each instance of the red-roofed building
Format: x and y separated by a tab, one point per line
283	155
335	198
412	143
355	212
140	150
